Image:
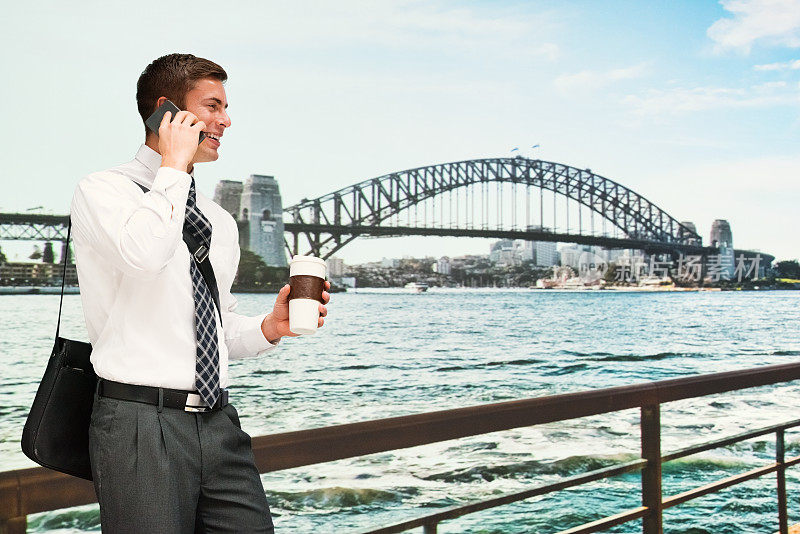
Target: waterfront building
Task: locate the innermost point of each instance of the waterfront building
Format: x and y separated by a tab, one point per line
504	252
442	266
545	253
36	273
540	253
525	250
570	254
335	267
390	263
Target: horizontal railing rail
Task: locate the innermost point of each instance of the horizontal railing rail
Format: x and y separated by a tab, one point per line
430	520
33	490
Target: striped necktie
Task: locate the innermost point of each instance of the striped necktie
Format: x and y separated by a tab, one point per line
207	363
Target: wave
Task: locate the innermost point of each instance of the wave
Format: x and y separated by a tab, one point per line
574	465
584	354
531	361
611	357
642	357
480	446
721	405
337	497
454	368
571	465
80	519
269	372
503	363
568	369
696	465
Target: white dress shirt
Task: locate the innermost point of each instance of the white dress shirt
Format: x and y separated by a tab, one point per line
133	270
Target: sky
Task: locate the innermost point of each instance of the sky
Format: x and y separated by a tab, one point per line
693	104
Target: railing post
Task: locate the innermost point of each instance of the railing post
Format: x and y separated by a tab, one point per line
15	525
651	475
783	518
429	529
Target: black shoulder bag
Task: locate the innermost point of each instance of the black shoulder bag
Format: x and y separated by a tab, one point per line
56	433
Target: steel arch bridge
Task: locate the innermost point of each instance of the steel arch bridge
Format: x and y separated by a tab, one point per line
374	207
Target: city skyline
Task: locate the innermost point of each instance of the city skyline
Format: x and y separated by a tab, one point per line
693	105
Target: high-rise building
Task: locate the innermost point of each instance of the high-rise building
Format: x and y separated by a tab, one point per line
504	252
545	253
335	267
442	265
571	254
257	207
541	253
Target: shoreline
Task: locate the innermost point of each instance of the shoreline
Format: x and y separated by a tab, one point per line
38	290
74	290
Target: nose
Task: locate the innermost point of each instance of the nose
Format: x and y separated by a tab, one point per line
225	120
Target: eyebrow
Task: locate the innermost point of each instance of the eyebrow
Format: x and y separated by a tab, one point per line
218	101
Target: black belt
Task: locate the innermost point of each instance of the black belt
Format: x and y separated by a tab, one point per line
163	397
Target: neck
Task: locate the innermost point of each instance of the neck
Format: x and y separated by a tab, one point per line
151	141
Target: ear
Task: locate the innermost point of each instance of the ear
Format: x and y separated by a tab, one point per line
160	101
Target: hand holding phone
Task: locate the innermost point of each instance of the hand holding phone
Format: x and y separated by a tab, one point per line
154	121
179	134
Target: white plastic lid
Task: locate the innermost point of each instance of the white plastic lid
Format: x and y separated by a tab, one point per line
307	265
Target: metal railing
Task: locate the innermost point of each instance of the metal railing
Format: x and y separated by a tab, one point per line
28	491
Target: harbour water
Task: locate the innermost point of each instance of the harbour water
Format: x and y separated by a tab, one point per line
387	353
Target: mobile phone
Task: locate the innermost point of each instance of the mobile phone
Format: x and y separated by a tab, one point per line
154	121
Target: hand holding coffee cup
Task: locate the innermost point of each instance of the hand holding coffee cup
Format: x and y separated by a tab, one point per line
307	282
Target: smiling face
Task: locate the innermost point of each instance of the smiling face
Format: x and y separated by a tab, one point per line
207	100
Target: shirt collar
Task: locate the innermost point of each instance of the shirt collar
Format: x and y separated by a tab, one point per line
152	161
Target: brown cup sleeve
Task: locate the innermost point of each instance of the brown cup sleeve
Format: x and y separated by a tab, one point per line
303	286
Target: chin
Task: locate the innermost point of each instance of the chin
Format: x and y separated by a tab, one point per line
207	155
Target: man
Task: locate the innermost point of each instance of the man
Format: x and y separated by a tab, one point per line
167	450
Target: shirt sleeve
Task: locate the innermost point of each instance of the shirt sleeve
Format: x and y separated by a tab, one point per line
243	334
137	233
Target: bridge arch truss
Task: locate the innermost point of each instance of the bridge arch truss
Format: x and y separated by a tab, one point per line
331	221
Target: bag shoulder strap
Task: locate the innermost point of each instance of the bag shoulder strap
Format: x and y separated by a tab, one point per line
201	257
63	276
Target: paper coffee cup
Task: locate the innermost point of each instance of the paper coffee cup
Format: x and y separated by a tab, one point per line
307	281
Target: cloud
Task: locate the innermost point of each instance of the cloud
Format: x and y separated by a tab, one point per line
788	65
589	79
682	100
771	22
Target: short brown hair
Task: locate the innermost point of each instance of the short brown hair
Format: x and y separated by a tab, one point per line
173	76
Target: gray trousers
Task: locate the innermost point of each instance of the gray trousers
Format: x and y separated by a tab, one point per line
173	471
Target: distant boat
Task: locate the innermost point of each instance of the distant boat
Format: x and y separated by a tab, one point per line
416	287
